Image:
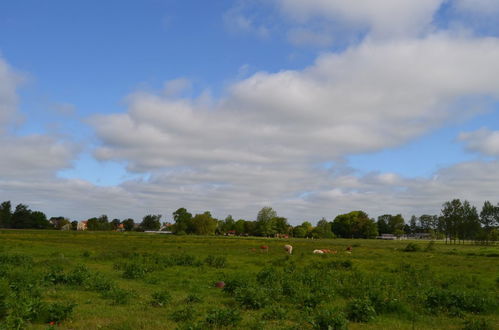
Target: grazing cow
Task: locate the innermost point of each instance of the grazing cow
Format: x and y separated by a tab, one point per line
264	248
288	248
326	250
318	252
349	248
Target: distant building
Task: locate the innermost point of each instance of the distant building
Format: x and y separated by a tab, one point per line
387	237
82	225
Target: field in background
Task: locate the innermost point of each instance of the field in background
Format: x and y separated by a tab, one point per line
91	280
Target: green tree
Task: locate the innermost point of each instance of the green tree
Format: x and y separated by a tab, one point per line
128	224
299	231
355	224
39	220
323	229
151	222
227	224
489	217
5	214
101	223
452	216
183	221
21	218
115	223
265	222
383	227
204	224
239	226
74	225
281	225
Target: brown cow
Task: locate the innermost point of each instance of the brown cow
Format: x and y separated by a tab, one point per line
264	248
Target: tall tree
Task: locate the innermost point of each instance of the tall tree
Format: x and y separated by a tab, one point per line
151	222
355	224
21	218
265	222
489	217
204	224
5	214
183	221
128	224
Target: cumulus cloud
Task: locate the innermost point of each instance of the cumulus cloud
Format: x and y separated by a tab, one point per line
370	97
383	18
307	37
483	141
25	157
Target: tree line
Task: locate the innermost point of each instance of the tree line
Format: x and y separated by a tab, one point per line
458	221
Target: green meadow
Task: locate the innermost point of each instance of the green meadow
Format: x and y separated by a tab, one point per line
103	280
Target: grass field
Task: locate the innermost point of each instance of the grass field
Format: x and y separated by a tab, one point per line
85	280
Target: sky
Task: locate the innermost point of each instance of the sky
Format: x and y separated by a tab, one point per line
315	108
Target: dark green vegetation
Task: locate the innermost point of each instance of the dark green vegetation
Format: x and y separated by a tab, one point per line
459	222
90	280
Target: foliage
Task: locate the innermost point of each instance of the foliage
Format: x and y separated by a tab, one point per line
360	310
330	319
412	247
151	222
223	317
355	224
161	298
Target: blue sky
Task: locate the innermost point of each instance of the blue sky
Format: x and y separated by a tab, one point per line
230	106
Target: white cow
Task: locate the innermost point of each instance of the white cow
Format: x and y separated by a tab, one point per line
288	248
318	252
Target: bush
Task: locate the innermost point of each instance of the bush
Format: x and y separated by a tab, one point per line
330	319
223	317
135	270
430	246
160	298
57	312
455	302
118	296
193	298
216	262
412	247
477	324
360	310
274	312
182	315
236	282
252	297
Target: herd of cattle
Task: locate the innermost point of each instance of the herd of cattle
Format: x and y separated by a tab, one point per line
289	249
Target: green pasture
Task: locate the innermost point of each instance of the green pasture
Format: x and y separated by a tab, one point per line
103	280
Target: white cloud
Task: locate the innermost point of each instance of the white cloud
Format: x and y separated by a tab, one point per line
374	96
25	157
482	140
383	18
259	145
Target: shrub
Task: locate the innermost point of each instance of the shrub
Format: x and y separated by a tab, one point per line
223	317
430	246
216	261
193	298
360	310
236	282
135	270
458	301
118	296
57	312
477	324
274	312
251	297
412	247
86	254
184	314
55	275
160	298
330	319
